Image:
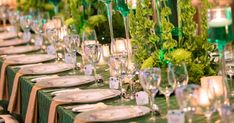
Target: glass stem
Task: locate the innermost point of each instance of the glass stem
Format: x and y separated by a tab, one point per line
151	101
126	26
221	48
4	24
56	9
95	72
208	118
109	15
189	115
168	101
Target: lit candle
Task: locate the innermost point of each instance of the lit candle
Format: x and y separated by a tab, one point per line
120	45
105	53
219	19
106	50
214	82
203	98
133	3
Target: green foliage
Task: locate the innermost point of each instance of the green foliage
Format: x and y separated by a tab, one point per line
156	50
143	35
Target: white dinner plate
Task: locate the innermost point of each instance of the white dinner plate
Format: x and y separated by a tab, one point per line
30	59
112	113
17	50
12	42
49	68
65	81
7	35
87	96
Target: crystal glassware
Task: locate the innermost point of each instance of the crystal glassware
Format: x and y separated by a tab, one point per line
91	50
205	102
181	74
56	5
25	23
185	99
220	32
150	79
122	7
108	4
168	82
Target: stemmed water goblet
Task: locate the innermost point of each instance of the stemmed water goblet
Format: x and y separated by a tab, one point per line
168	82
181	74
91	50
37	27
3	15
25	23
216	85
150	79
14	19
71	43
205	101
186	100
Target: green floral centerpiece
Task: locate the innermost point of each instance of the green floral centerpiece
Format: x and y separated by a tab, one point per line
155	45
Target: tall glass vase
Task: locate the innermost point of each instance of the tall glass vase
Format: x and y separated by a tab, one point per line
108	4
56	5
122	7
220	32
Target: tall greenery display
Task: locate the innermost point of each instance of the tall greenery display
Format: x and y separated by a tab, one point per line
91	14
157	49
26	5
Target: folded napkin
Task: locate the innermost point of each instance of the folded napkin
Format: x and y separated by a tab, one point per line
14	102
52	118
31	114
8	119
3	85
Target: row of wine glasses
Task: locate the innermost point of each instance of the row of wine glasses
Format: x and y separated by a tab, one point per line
206	99
164	79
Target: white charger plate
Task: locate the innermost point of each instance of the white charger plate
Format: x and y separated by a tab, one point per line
7	35
87	96
17	50
30	59
112	113
46	68
12	42
65	81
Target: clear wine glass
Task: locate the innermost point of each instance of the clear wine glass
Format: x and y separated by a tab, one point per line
205	102
25	23
185	99
3	15
37	27
216	85
91	49
168	82
181	74
150	79
13	19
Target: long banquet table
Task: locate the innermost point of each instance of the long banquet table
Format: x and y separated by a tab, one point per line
67	116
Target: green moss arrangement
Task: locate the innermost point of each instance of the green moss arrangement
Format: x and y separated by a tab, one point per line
156	50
